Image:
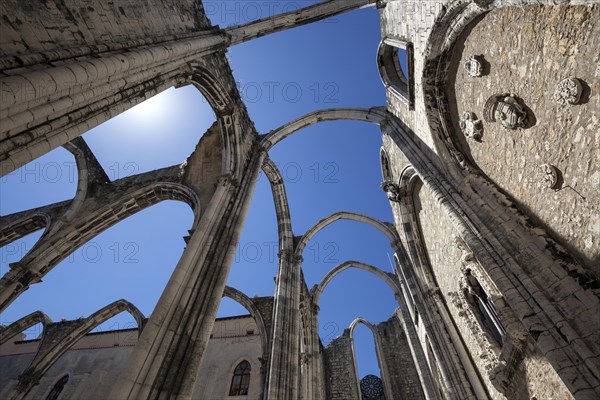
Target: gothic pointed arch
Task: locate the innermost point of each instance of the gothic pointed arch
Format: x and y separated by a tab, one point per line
378	351
117	205
247	303
388	231
389	279
58	338
22	324
374	115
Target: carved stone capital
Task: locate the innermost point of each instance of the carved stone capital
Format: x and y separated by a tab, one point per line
394	193
228	180
26	381
305	358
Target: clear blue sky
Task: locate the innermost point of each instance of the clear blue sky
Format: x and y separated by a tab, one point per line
328	167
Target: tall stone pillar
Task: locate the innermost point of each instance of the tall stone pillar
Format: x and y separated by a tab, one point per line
455	383
285	355
166	361
314	361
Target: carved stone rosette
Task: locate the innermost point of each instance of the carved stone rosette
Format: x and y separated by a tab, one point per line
506	109
471	126
547	176
474	66
568	91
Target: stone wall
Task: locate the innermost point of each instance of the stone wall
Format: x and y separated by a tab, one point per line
411	21
340	377
66	24
95	362
553	43
401	373
535	376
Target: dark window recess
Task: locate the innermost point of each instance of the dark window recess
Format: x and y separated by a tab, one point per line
58	388
241	380
487	310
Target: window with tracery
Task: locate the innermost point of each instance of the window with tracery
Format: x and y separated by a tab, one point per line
58	388
241	379
486	309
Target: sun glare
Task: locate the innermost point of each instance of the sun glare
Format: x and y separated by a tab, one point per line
153	108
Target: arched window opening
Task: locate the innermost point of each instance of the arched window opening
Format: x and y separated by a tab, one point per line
386	170
365	353
159	132
375	302
240	382
395	62
46	180
58	388
486	311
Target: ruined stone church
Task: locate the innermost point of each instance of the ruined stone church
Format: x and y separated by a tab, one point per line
490	144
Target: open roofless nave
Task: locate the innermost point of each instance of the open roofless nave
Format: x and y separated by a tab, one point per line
489	145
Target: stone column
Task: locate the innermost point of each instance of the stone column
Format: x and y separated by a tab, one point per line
316	373
456	384
166	361
45	107
285	355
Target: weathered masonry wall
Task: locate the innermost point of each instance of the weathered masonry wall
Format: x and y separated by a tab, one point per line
553	43
411	22
70	27
340	377
96	361
401	373
535	376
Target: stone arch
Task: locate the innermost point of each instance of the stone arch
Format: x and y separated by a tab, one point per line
318	289
26	322
56	342
282	209
374	115
224	108
55	246
23	225
120	209
211	89
388	231
400	82
378	352
247	303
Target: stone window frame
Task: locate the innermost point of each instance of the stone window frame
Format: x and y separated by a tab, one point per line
58	387
399	82
238	389
501	359
386	170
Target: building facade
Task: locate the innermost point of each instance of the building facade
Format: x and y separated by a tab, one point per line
489	158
